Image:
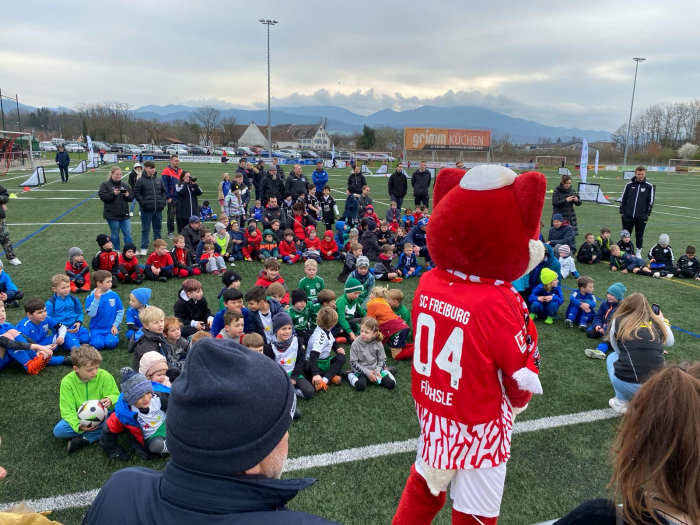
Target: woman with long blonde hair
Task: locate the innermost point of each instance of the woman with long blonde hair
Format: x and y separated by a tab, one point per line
638	337
656	457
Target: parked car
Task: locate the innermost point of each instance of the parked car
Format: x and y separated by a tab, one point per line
132	149
117	148
307	154
152	149
46	146
177	149
197	150
57	141
74	147
363	156
342	155
256	150
290	153
97	146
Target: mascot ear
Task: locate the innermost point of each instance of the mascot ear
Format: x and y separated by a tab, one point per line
448	179
530	189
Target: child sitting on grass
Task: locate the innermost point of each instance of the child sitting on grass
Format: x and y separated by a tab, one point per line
178	346
277	292
353	254
602	242
288	248
407	220
183	264
67	310
38	328
262	312
106	311
567	263
253	342
138	300
364	277
688	265
393	328
582	304
329	248
33	357
661	260
159	265
222	238
140	410
230	279
233	327
546	298
395	299
129	269
312	245
192	308
152	340
268	246
325	297
106	258
253	237
231	301
206	213
625	262
408	262
602	318
284	348
299	312
312	284
155	367
368	359
350	311
85	383
625	242
235	245
78	271
320	367
383	271
588	252
211	261
271	274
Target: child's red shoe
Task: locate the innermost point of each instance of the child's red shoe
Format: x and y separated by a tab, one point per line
341	340
36	365
406	353
397	280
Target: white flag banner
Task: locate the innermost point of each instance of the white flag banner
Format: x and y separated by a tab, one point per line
597	156
90	153
333	153
584	160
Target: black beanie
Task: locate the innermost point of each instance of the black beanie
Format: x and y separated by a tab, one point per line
129	246
228	409
299	295
103	239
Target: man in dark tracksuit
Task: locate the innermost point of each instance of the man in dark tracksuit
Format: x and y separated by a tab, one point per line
420	180
63	160
636	205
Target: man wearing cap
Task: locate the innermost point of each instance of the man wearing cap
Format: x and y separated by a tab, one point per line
416	236
221	471
636	204
272	185
192	235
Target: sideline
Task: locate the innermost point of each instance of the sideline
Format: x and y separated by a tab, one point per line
83	499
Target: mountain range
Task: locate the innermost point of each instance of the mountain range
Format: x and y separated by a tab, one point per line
341	120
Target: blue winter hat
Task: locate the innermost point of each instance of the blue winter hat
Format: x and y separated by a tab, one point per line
617	290
558	217
134	385
142	295
423	221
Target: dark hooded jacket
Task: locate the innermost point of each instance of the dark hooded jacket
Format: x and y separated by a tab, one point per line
566	208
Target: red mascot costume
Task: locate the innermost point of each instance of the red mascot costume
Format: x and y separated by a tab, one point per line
476	361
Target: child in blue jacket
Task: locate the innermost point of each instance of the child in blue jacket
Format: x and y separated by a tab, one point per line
602	319
581	304
352	208
546	298
625	262
9	294
42	330
408	262
67	310
106	312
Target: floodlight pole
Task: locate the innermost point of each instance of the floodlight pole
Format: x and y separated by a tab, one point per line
268	23
629	123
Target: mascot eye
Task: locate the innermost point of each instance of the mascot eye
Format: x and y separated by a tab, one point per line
487	177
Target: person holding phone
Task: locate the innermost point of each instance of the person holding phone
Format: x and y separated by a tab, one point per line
564	199
116	196
187	191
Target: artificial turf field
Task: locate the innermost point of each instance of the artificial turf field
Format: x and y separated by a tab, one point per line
552	469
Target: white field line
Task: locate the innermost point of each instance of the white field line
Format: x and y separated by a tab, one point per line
83	499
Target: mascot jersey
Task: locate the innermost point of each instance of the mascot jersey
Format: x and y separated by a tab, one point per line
471	337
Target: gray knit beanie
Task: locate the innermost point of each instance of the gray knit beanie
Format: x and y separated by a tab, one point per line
228	409
74	252
134	385
664	238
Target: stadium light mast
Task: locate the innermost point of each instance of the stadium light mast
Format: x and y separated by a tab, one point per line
268	23
629	124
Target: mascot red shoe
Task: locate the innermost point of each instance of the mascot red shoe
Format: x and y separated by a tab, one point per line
476	361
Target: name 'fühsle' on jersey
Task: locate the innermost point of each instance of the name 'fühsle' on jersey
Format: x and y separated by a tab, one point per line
445	309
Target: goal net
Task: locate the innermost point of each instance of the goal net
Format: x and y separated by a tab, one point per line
15	150
685	165
591	193
550	161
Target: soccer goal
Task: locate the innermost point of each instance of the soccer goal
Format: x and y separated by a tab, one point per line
553	161
15	150
684	165
591	193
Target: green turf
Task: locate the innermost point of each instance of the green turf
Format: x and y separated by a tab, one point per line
550	470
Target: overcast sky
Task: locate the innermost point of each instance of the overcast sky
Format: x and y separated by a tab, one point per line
558	62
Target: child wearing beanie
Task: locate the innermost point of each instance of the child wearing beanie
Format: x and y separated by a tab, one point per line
602	318
154	366
568	265
77	271
350	311
129	269
106	259
366	278
661	260
285	349
625	242
546	298
140	410
138	300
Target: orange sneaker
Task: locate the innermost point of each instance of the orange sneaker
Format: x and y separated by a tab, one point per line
336	380
321	386
397	280
36	365
341	340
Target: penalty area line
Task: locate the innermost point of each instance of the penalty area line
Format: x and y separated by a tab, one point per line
84	499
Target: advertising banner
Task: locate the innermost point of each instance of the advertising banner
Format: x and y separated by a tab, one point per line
584	160
441	139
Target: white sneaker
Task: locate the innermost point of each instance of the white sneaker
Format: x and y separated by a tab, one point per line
233	264
15	261
131	214
594	353
669	276
657	274
638	252
618	405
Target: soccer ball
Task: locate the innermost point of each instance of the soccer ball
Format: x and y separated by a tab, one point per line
91	413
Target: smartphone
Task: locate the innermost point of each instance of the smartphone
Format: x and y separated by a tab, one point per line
123	190
656	309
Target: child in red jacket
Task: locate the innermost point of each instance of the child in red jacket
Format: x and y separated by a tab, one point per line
288	248
329	248
78	271
183	264
369	213
313	245
129	269
271	274
254	237
106	259
159	265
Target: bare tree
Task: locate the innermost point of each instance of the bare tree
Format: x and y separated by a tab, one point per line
209	119
388	137
227	124
323	122
157	129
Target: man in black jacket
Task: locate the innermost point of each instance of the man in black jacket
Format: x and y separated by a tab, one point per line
272	185
150	193
63	160
356	181
296	183
635	207
420	180
116	196
220	471
271	212
398	186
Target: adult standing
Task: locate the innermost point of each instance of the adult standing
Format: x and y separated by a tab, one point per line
187	191
564	199
636	205
4	231
241	169
296	183
150	194
398	186
63	160
272	186
260	173
320	178
420	181
116	196
356	181
276	164
218	473
253	177
171	176
134	175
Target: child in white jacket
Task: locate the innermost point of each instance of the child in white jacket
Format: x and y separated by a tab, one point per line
368	359
568	265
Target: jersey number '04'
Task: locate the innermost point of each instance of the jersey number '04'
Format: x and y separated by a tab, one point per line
450	357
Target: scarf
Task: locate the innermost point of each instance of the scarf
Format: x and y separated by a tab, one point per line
282	346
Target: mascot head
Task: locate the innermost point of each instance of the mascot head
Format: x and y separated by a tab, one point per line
486	221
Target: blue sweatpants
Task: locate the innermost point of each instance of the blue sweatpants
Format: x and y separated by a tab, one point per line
103	339
24	356
591	332
543	310
65	431
577	315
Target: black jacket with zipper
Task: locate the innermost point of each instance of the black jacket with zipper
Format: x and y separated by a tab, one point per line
637	200
150	192
116	206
